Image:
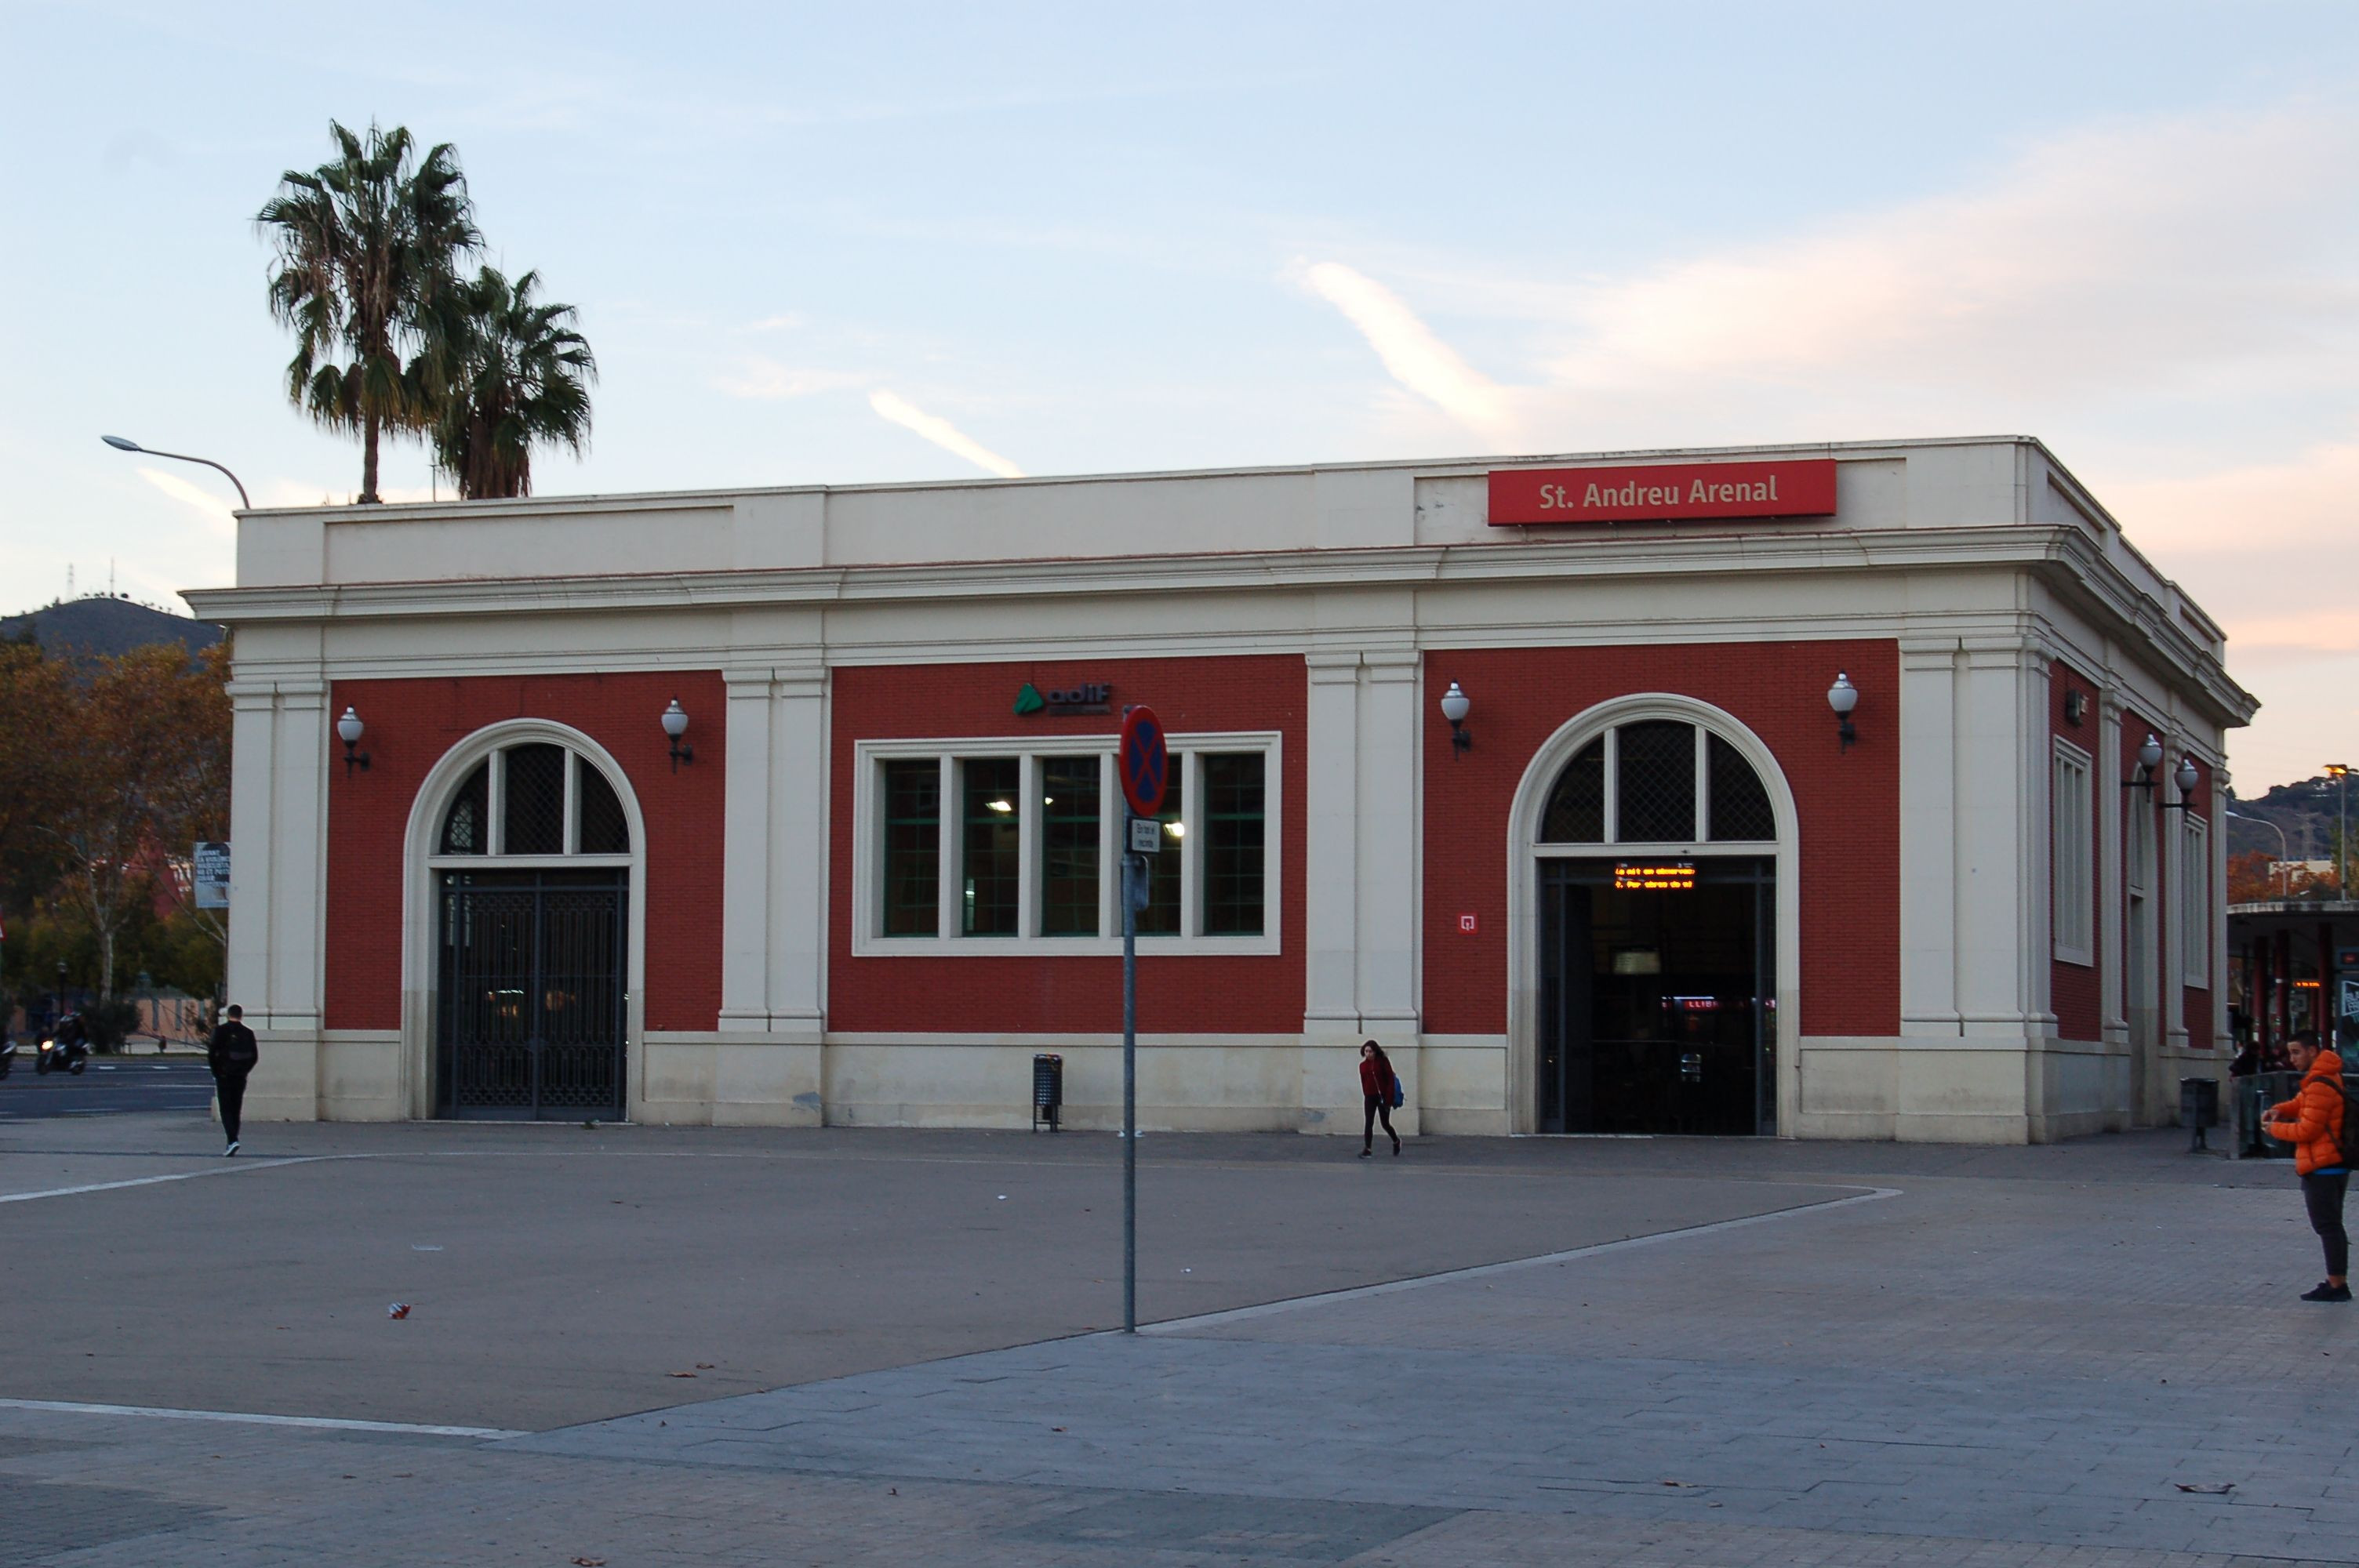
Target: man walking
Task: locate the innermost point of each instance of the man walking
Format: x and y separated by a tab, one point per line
2312	1122
232	1053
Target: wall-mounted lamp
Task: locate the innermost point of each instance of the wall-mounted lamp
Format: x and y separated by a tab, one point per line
1455	706
2149	757
1843	696
675	723
348	730
2076	706
2186	778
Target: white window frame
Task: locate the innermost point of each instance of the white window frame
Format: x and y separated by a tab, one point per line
868	846
2194	903
2071	855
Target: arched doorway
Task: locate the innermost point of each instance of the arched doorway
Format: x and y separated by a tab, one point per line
1654	910
526	937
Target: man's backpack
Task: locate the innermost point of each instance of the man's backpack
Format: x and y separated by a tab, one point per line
2348	1140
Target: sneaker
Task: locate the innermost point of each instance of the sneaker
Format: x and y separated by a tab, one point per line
1365	1153
231	1150
2326	1292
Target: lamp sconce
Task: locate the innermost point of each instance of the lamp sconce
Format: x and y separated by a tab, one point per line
675	725
349	729
2149	757
2076	706
1455	706
2186	778
1843	696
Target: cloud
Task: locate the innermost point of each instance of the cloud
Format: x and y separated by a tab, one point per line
215	508
785	323
941	432
1411	353
766	378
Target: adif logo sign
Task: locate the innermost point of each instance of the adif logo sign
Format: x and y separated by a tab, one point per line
1087	697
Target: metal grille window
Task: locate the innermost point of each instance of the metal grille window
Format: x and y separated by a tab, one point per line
913	831
603	829
994	838
1739	807
1232	844
1167	869
1069	845
1576	806
467	826
1655	783
534	820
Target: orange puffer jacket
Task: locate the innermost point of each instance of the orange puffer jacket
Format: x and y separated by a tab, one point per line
2312	1120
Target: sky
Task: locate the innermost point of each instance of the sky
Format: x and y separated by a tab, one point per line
856	243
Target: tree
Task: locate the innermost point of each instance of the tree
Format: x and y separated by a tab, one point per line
188	801
148	763
500	372
364	244
38	695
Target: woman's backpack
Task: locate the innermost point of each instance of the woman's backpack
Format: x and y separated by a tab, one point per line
1401	1098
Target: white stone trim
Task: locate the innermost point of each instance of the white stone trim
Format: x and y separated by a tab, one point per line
1525	852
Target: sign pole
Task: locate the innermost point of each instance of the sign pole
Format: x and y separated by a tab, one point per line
1130	869
1145	764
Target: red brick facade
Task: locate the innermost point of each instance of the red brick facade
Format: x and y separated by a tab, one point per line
413	723
1848	802
1241	994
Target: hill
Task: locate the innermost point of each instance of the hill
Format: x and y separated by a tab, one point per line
101	627
2305	809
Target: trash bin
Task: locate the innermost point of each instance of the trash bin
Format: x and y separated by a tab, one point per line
2199	1107
1047	1090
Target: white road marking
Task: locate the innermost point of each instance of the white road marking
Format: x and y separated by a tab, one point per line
227	1167
1481	1271
317	1422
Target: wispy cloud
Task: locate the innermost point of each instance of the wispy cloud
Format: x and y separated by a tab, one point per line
766	378
1411	353
215	509
941	432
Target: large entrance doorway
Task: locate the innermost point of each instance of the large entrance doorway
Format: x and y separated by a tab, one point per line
1658	996
530	995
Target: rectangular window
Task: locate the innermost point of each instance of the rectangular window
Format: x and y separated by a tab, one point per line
1069	845
2195	902
1232	844
2072	869
913	848
992	846
1166	868
1015	844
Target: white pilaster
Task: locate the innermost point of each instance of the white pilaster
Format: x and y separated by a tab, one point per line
1928	841
1330	893
746	863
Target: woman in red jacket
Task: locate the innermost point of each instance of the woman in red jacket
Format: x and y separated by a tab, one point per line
1377	1082
2312	1122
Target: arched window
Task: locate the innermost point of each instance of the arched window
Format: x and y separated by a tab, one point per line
1658	781
535	798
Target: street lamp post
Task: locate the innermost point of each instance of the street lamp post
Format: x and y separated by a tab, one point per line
2285	866
124	444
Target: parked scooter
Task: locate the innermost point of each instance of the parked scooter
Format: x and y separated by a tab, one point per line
67	1049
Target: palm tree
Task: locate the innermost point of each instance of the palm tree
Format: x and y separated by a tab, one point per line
501	371
364	244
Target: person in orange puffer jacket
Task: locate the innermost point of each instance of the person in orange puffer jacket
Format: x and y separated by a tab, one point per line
2312	1122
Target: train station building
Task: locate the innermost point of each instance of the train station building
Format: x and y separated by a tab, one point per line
1852	791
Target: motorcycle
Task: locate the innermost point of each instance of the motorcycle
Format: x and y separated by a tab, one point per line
67	1055
7	1053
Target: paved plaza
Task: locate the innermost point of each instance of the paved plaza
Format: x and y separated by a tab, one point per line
1528	1351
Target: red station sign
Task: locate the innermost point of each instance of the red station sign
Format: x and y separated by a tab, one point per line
1660	493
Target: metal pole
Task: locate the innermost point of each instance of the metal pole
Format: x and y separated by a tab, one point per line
1130	869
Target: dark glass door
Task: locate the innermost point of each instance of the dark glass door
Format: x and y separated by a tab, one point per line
530	997
1657	1007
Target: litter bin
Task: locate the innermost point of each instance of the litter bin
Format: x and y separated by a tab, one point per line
2198	1108
1047	1090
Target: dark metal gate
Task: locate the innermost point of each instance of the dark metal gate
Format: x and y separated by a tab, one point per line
530	1003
